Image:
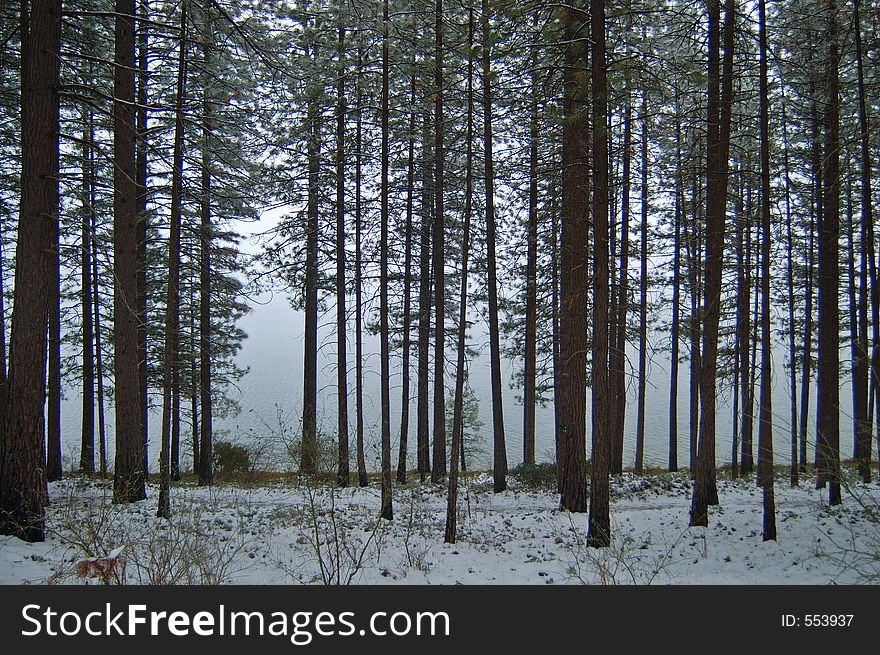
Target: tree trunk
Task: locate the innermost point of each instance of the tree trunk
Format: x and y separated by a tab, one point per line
744	333
99	353
693	247
22	497
599	531
571	382
407	284
130	475
438	472
460	372
426	229
643	298
171	356
387	511
193	372
827	388
309	443
765	427
717	144
792	349
499	467
53	400
342	469
206	429
617	346
676	300
739	347
363	480
864	435
143	218
87	448
530	356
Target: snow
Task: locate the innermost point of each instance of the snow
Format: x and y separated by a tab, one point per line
288	533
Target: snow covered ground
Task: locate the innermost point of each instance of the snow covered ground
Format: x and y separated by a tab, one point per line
284	533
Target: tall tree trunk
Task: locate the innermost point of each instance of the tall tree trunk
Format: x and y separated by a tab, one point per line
867	361
853	289
555	307
499	467
792	348
194	372
53	400
171	356
438	471
99	353
460	372
571	381
740	348
693	246
744	331
815	220
309	442
363	480
617	341
387	511
407	283
676	299
717	144
87	448
2	335
828	390
530	366
425	231
143	219
765	426
22	486
130	475
343	467
643	297
599	531
206	429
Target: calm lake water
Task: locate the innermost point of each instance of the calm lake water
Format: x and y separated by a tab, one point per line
270	396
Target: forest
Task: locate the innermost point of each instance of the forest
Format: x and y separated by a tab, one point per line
594	188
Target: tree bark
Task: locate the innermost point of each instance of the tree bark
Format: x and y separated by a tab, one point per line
143	219
718	142
424	328
765	426
22	482
530	355
676	301
53	400
171	356
87	448
309	442
868	363
206	429
387	511
130	475
617	341
827	388
363	480
460	372
792	348
343	468
407	284
438	471
571	382
599	531
499	467
643	298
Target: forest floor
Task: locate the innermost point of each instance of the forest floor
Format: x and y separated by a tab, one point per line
280	532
